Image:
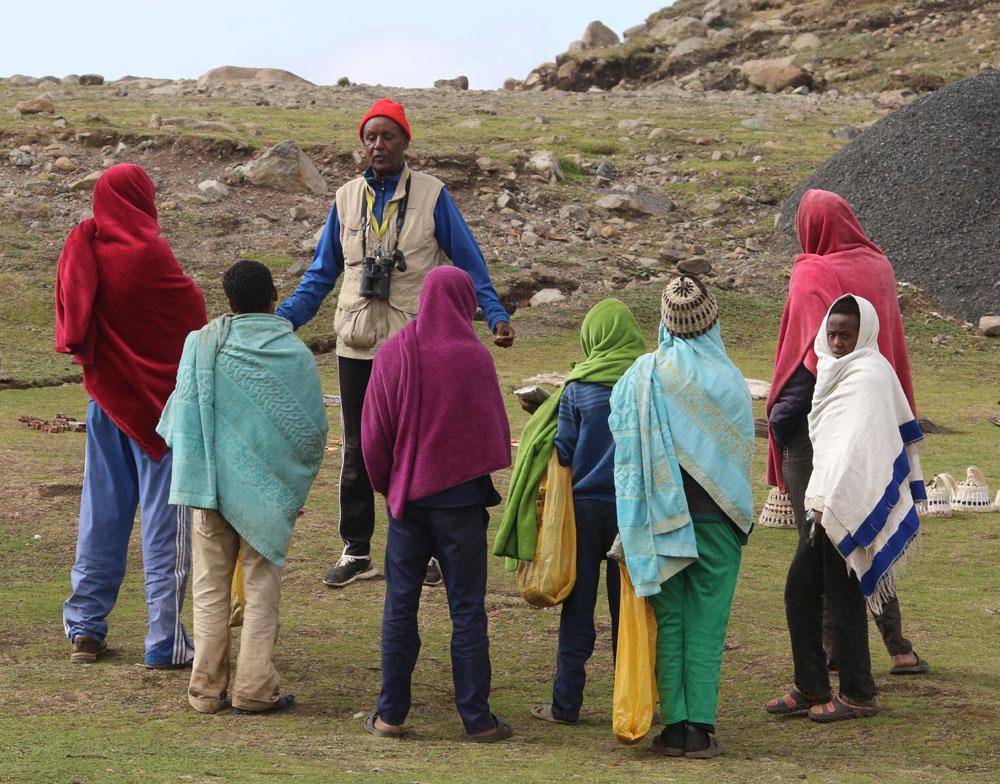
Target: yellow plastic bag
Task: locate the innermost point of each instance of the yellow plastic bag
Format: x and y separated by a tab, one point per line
635	695
549	578
238	599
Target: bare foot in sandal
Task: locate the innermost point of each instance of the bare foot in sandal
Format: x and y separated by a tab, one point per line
793	702
839	709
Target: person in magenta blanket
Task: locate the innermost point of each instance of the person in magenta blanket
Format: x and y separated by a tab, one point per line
433	429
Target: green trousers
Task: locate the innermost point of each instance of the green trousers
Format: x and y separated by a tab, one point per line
692	611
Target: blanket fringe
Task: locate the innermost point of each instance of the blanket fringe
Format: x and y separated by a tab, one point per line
885	589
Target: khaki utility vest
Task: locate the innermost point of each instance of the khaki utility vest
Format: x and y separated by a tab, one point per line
363	324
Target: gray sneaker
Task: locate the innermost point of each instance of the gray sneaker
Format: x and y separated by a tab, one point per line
348	569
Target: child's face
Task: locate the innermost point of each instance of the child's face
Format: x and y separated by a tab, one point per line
842	334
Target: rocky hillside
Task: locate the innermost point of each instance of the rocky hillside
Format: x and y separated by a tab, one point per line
851	46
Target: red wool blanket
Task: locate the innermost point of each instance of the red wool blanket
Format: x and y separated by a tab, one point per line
837	259
124	305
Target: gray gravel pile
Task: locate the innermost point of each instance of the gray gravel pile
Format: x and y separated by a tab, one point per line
925	184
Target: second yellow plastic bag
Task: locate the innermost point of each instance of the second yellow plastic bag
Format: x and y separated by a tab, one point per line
549	578
238	599
635	696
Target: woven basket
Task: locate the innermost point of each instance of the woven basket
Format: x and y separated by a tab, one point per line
939	492
972	495
777	511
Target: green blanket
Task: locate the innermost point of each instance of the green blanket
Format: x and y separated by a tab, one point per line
611	341
247	426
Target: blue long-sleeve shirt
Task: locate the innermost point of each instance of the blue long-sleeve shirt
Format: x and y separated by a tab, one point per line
450	230
584	441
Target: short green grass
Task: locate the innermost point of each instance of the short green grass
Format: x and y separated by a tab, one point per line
116	722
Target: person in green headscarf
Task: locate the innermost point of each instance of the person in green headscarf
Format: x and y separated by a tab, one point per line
575	423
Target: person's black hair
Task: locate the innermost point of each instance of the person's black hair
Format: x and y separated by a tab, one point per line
846	306
249	286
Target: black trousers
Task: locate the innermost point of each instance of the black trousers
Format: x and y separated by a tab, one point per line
357	499
818	578
796	470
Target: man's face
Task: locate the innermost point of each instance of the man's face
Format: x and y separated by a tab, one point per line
384	143
842	333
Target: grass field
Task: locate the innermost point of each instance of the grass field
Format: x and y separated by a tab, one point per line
117	722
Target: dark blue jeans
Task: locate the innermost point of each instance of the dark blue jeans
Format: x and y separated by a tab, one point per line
457	538
596	528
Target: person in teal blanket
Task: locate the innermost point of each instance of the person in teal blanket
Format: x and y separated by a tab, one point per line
683	429
248	428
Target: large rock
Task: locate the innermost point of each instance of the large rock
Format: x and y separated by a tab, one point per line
598	36
235	76
91	79
673	31
546	297
924	182
546	163
284	167
727	8
688	46
805	42
40	105
213	190
20	80
458	83
775	74
634	31
990	326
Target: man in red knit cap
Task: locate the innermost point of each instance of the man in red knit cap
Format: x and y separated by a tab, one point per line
386	230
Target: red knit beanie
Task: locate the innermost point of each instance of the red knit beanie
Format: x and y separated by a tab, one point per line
386	108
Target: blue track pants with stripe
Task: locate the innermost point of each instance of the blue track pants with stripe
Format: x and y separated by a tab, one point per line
118	477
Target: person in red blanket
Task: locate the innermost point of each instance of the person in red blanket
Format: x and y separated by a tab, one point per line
123	309
837	258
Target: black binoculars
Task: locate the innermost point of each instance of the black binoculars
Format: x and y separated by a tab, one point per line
377	270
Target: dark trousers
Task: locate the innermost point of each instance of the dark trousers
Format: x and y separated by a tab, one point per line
596	528
796	470
818	580
457	538
357	499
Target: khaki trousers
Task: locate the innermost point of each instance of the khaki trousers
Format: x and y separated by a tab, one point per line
215	545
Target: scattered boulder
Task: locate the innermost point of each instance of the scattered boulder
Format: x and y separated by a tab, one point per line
598	36
458	83
805	42
990	326
284	167
343	81
635	30
41	105
213	190
775	74
546	163
20	158
506	200
229	76
20	80
64	164
688	46
546	297
673	31
696	265
91	79
70	79
86	183
847	133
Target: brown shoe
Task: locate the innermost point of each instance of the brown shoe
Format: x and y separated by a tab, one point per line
86	649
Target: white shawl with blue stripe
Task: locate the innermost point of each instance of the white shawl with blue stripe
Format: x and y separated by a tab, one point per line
866	473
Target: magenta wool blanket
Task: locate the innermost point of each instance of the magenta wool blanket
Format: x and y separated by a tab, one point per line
433	415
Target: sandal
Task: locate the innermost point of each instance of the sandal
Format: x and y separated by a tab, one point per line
371	729
912	669
839	709
544	712
283	702
792	703
501	731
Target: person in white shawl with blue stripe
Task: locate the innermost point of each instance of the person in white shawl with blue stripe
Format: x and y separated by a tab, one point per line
861	499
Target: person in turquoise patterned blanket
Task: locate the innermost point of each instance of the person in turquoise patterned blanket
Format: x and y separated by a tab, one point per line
248	428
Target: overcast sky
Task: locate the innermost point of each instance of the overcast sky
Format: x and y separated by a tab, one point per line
395	43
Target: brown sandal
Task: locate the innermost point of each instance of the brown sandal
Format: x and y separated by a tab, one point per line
839	709
792	703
